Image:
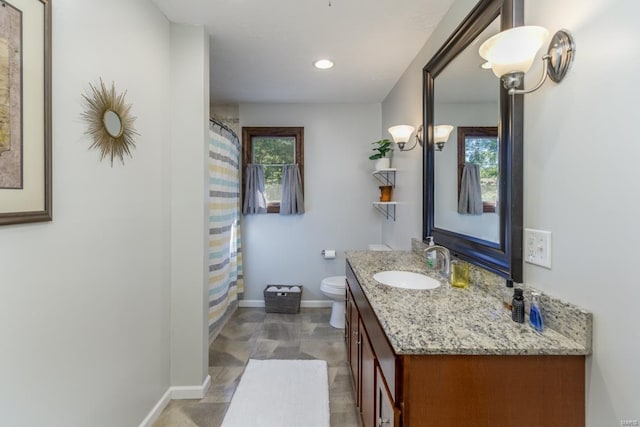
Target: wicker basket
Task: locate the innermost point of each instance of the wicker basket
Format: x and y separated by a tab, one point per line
282	302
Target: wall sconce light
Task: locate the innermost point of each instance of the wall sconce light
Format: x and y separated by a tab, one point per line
512	52
401	135
441	135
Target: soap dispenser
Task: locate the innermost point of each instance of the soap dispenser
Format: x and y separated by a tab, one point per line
517	309
431	255
535	314
507	295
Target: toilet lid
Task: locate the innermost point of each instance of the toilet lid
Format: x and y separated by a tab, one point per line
336	283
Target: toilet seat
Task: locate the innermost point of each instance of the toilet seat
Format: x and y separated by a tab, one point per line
333	285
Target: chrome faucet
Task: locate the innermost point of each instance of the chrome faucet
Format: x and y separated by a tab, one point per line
445	271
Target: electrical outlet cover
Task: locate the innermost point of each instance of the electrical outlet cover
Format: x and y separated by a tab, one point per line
537	247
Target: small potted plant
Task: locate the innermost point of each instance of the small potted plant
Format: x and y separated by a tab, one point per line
383	147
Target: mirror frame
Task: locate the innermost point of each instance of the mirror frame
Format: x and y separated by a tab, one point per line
503	258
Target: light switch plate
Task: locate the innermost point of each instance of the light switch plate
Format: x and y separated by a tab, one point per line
537	247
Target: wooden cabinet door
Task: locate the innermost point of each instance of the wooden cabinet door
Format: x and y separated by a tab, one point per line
346	317
347	323
386	413
354	347
367	380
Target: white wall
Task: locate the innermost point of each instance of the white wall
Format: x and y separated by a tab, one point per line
84	300
189	213
339	189
579	183
580	162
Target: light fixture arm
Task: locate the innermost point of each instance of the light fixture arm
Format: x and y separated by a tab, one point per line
545	65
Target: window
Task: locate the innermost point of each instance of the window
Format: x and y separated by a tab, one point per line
480	145
272	147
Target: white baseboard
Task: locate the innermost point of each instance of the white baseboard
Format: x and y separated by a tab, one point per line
251	303
320	303
191	391
157	409
176	393
304	303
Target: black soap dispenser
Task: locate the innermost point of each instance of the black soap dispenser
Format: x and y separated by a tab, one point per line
517	306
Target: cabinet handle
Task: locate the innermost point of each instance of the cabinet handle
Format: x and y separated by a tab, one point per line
382	422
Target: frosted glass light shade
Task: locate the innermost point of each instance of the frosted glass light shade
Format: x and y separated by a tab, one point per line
401	133
514	50
441	133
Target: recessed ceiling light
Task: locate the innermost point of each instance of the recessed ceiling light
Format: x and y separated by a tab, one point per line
323	64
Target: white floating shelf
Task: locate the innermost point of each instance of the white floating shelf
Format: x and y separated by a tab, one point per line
384	171
386	176
388	209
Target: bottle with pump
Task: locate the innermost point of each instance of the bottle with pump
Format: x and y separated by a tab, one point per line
507	295
517	311
431	255
535	315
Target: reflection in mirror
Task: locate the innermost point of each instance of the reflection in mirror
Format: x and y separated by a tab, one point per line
441	135
473	189
475	103
112	123
479	146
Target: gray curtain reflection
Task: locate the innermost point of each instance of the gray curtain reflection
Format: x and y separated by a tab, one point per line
292	200
255	201
470	201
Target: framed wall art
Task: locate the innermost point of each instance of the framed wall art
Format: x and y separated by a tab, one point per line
25	111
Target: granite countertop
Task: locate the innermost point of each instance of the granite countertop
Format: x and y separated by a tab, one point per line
448	320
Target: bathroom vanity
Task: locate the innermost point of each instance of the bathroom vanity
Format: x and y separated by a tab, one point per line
453	357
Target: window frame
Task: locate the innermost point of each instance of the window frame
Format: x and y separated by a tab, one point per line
470	131
248	133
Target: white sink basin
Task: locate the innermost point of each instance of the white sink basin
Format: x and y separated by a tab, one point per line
406	280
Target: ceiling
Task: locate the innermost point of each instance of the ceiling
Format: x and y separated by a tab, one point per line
262	51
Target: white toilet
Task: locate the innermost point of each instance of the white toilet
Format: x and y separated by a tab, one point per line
334	287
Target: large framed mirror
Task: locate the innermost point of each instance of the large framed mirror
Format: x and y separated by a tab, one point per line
484	229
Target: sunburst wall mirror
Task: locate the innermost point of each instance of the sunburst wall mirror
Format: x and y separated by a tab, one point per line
109	120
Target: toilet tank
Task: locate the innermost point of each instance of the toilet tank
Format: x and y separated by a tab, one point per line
379	247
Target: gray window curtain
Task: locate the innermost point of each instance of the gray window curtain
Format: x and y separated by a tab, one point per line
255	201
470	201
292	200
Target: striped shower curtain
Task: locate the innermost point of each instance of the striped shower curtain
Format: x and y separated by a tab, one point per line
225	255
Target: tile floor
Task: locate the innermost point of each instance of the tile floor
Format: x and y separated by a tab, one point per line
252	333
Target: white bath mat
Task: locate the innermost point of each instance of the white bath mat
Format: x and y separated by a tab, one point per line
281	393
